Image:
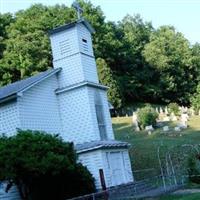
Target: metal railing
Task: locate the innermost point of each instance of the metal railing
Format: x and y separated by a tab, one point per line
139	189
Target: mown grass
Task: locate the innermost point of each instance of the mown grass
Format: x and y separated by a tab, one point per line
195	196
144	147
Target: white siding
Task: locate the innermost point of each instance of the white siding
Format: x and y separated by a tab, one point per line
76	115
106	112
77	61
93	161
38	107
72	70
9	118
75	69
89	69
12	194
64	43
84	34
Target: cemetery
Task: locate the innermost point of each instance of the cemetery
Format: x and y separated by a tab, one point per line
171	133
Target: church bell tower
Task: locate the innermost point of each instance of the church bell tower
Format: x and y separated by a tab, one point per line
83	104
83	101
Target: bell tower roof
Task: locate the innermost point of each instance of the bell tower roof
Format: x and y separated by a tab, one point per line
72	24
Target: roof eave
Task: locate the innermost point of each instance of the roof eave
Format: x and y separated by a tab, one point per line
35	83
18	93
72	24
8	98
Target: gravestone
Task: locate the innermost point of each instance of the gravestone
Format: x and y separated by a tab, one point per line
135	121
166	128
166	119
173	117
177	129
149	128
166	111
157	110
161	111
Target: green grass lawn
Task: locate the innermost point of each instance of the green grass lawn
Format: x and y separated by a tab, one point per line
195	196
143	150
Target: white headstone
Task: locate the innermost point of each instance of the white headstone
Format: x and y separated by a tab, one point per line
184	117
166	111
137	128
166	128
134	117
173	117
166	119
157	110
149	128
182	126
161	110
192	111
149	132
177	129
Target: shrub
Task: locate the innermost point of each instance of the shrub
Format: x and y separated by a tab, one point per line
147	116
194	169
195	100
174	108
43	166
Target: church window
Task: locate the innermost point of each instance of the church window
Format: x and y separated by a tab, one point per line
84	40
100	116
65	46
85	45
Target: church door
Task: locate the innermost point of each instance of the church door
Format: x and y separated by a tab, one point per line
117	168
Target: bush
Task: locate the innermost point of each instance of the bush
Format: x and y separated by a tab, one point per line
174	108
195	100
43	166
147	116
194	169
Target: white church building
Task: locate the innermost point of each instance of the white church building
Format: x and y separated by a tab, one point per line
69	100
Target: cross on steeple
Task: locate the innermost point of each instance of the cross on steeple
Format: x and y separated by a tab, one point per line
79	10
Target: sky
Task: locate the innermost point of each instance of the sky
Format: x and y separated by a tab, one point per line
183	14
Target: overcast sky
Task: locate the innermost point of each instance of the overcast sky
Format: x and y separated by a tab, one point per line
183	14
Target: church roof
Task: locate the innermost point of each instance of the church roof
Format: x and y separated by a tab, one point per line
66	26
10	91
104	144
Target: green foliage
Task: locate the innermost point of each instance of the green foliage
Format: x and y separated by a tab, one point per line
147	116
43	166
195	100
170	54
5	21
174	108
106	77
135	75
147	64
194	168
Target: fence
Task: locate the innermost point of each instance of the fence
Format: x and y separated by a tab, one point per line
150	187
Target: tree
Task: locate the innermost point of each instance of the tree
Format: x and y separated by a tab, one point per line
174	108
195	100
169	53
148	65
5	20
43	166
27	50
107	78
27	47
135	74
